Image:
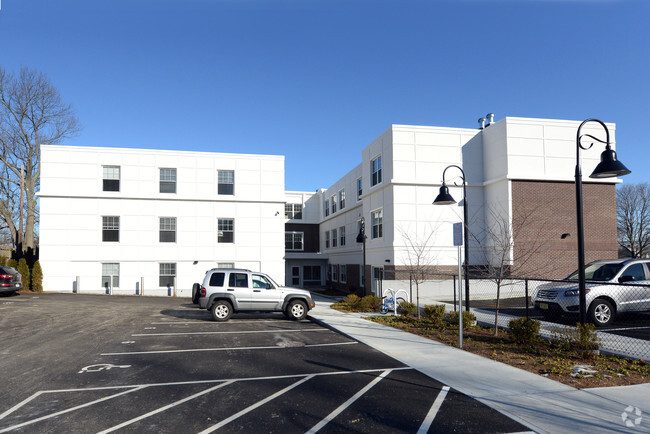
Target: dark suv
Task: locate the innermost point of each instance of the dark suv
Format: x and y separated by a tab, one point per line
10	280
228	290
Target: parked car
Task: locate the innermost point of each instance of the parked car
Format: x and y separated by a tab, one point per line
10	280
612	287
228	290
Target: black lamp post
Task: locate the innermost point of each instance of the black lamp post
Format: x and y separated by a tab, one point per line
444	198
608	167
361	238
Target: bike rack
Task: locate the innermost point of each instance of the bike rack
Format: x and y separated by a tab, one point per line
394	293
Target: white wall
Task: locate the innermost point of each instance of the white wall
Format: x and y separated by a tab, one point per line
73	203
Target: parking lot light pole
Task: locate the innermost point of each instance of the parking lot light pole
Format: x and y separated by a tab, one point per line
361	238
444	198
608	167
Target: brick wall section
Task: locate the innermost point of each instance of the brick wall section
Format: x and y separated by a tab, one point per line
553	212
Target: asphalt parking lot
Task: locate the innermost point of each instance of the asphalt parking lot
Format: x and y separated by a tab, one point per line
97	363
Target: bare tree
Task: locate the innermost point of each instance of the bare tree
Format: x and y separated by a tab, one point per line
418	257
510	248
32	114
633	218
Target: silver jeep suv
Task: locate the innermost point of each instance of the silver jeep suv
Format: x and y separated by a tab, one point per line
228	290
612	287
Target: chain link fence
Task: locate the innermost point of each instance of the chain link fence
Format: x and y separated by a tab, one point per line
621	311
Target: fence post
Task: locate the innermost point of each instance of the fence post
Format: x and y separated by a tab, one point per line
174	286
141	285
526	286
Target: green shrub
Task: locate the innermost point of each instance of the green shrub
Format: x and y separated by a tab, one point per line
434	312
468	318
23	269
524	330
12	263
582	339
406	308
37	277
3	260
370	303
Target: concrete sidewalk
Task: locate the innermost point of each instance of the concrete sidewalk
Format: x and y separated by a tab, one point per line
541	404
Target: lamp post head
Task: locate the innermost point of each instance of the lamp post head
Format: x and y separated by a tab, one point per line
362	231
444	198
609	166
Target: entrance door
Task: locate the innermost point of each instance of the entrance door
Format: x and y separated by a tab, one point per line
377	279
295	277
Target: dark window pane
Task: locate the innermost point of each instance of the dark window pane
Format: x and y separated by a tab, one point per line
226	189
167	187
166	281
167	236
110	235
238	280
111	185
217	279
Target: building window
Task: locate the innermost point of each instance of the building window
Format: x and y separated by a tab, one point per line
111	178
377	221
294	241
375	171
335	273
334	237
341	199
333	202
344	274
111	228
110	275
225	265
342	236
311	275
167	230
226	180
167	274
226	228
168	180
293	211
326	207
327	239
359	188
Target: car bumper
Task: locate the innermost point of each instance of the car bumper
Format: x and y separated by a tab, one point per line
11	287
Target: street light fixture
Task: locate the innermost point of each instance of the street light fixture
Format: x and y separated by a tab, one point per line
444	198
361	238
608	167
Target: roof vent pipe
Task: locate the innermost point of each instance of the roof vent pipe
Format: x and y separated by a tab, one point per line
490	119
481	122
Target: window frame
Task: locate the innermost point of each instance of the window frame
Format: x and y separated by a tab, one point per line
163	174
376	171
342	236
112	227
167	229
226	187
293	241
341	195
359	188
114	278
169	274
327	239
343	273
377	221
109	182
221	232
335	238
293	211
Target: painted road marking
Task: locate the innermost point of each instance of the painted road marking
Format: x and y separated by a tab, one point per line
232	332
135	387
274	347
433	411
167	407
256	405
347	403
101	367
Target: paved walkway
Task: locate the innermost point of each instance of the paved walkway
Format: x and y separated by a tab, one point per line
541	404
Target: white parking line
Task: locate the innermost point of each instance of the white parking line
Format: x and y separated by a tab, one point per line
347	403
433	411
273	347
232	332
624	329
256	405
161	409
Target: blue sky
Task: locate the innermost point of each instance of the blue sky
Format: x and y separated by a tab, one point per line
318	80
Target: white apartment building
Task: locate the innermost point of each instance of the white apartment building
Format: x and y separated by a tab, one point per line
129	221
132	220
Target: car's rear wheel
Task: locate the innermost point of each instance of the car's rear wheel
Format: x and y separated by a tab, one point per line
297	310
196	293
601	312
221	310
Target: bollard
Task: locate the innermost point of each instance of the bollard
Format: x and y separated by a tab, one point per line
141	285
78	281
